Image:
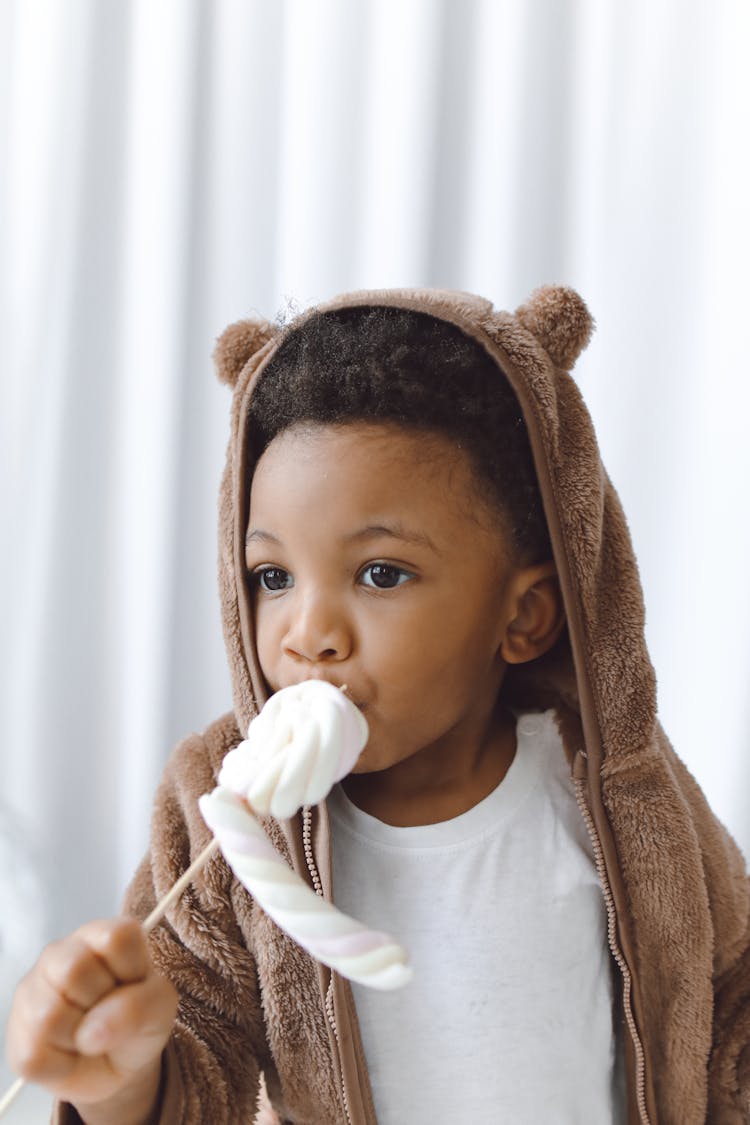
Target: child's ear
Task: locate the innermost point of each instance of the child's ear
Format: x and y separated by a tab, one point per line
537	614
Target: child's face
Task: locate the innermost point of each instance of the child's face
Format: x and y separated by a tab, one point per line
374	565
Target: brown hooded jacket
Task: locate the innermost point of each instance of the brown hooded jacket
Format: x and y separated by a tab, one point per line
674	882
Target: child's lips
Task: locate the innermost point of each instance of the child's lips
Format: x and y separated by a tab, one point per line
343	686
357	703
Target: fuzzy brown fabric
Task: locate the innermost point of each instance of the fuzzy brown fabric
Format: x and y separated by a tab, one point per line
253	1002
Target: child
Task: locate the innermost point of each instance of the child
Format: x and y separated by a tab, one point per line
414	506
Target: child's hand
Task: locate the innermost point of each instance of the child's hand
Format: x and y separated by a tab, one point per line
91	1019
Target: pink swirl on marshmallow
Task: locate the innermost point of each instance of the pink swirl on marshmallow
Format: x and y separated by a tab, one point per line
351	945
345	945
249	845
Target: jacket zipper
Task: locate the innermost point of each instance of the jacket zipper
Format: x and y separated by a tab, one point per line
330	1015
580	789
640	1063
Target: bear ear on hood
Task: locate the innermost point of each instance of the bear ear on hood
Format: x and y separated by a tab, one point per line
558	318
237	344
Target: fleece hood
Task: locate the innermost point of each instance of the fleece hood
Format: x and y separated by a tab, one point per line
600	669
673	879
256	1011
598	675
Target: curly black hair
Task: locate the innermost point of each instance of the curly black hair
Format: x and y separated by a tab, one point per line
382	364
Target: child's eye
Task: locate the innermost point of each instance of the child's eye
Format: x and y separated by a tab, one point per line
384	576
272	579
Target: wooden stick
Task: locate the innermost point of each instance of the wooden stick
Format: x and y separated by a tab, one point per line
153	920
161	908
11	1094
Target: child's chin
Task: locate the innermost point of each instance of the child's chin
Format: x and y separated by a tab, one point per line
365	763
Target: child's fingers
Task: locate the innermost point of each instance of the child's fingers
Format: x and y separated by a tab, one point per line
70	977
130	1025
83	1051
41	1031
77	973
121	945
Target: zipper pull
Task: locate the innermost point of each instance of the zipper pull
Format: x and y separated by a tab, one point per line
580	765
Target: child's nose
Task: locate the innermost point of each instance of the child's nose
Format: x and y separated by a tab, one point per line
318	631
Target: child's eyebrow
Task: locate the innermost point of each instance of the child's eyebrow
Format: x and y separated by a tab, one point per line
372	531
394	530
258	535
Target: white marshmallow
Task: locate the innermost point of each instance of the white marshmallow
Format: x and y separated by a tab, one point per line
306	738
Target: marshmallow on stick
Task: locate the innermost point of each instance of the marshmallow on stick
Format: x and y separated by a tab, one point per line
363	955
305	739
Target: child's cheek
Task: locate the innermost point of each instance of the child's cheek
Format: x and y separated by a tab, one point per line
268	643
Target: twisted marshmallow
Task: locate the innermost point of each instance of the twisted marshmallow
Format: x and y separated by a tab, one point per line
306	738
364	956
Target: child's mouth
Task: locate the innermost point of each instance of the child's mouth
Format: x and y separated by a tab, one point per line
343	688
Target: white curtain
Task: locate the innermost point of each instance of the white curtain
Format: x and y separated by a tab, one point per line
170	165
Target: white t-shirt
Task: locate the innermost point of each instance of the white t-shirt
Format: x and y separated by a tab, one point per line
509	1015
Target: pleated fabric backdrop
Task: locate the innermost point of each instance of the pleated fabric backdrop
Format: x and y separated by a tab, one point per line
168	167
